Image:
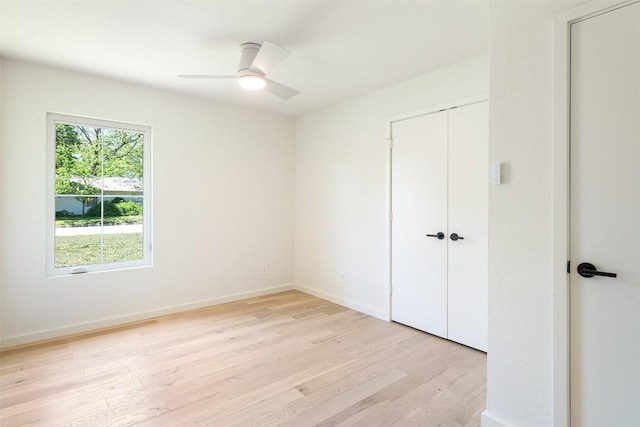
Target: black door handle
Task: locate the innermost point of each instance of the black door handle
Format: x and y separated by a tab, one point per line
439	236
589	270
454	237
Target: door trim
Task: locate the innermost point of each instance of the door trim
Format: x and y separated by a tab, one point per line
461	102
561	214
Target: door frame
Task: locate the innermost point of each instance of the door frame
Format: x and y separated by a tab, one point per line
460	102
561	199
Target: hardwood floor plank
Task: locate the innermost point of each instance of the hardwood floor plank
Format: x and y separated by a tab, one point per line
52	416
17	376
348	396
258	411
33	410
52	386
227	381
397	400
286	359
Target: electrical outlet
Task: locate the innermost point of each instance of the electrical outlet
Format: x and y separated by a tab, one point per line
343	276
265	268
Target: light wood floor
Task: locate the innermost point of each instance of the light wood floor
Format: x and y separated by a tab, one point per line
286	359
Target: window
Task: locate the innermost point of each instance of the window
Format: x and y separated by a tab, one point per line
99	195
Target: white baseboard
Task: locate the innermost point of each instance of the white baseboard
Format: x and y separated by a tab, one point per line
120	320
380	314
490	420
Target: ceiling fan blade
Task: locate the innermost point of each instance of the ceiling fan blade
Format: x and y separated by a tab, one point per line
205	76
268	57
280	90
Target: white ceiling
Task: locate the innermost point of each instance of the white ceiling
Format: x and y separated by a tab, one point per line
340	49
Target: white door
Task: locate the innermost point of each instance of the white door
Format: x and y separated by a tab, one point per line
468	218
419	206
605	219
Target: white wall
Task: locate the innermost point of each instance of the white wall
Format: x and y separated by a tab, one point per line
520	368
1	203
222	204
341	185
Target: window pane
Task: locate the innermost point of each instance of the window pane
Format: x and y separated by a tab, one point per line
123	232
123	162
78	160
77	238
123	189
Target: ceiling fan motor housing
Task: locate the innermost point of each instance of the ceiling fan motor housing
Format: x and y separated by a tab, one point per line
248	52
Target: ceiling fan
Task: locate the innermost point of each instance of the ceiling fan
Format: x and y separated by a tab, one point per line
255	62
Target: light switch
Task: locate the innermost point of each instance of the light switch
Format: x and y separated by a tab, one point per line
496	173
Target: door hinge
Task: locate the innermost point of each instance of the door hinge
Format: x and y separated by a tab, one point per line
569	266
390	216
390	142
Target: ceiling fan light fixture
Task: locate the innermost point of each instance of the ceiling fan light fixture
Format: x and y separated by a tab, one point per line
256	60
252	82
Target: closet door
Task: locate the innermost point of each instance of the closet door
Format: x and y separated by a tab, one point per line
468	218
419	206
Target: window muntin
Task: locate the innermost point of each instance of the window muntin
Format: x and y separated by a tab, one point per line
99	188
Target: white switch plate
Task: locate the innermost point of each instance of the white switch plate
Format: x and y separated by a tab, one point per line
496	173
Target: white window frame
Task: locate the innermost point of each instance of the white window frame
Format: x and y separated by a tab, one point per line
146	261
